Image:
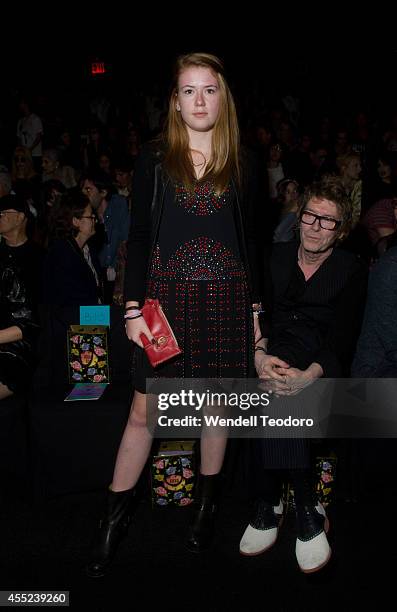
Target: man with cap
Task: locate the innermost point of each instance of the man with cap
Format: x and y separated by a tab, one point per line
16	248
19	281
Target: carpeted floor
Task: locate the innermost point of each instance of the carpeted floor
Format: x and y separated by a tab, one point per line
44	546
49	510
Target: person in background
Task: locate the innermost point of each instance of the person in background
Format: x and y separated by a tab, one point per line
30	132
52	191
380	223
113	215
376	352
53	170
124	169
18	247
288	195
5	183
26	182
349	167
19	265
275	169
71	273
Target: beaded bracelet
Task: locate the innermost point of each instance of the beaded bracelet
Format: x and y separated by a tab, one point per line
133	311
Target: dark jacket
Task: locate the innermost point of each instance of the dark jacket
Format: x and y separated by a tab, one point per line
150	184
376	355
16	310
68	279
316	320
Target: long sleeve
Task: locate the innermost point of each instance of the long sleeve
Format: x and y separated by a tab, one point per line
117	222
138	249
316	321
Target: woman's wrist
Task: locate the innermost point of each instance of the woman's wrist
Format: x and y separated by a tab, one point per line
131	315
257	309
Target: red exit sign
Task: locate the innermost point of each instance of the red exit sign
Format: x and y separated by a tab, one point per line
98	68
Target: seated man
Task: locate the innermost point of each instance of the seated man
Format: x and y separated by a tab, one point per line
17	247
18	327
310	332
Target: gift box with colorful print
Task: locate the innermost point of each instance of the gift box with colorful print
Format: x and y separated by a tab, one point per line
325	483
326	472
173	473
88	354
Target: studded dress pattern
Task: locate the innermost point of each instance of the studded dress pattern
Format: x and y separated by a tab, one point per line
198	276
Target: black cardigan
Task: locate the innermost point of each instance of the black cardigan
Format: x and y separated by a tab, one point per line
150	183
68	279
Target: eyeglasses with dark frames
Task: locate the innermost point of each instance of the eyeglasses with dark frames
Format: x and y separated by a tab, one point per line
327	223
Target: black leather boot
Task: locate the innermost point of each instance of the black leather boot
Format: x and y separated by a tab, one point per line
202	525
113	528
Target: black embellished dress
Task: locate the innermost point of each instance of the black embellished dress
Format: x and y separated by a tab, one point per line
199	278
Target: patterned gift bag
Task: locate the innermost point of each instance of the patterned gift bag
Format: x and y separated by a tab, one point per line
325	483
326	473
173	473
88	354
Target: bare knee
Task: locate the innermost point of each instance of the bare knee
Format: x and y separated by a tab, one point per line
138	412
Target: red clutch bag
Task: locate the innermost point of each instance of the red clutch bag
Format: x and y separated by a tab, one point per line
166	346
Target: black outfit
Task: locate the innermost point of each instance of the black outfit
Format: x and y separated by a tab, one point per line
312	321
27	259
68	283
189	251
376	354
68	279
16	358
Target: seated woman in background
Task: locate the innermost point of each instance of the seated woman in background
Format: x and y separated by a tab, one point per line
380	223
71	274
288	196
382	185
349	167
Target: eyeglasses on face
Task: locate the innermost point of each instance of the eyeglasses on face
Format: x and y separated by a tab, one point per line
327	223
